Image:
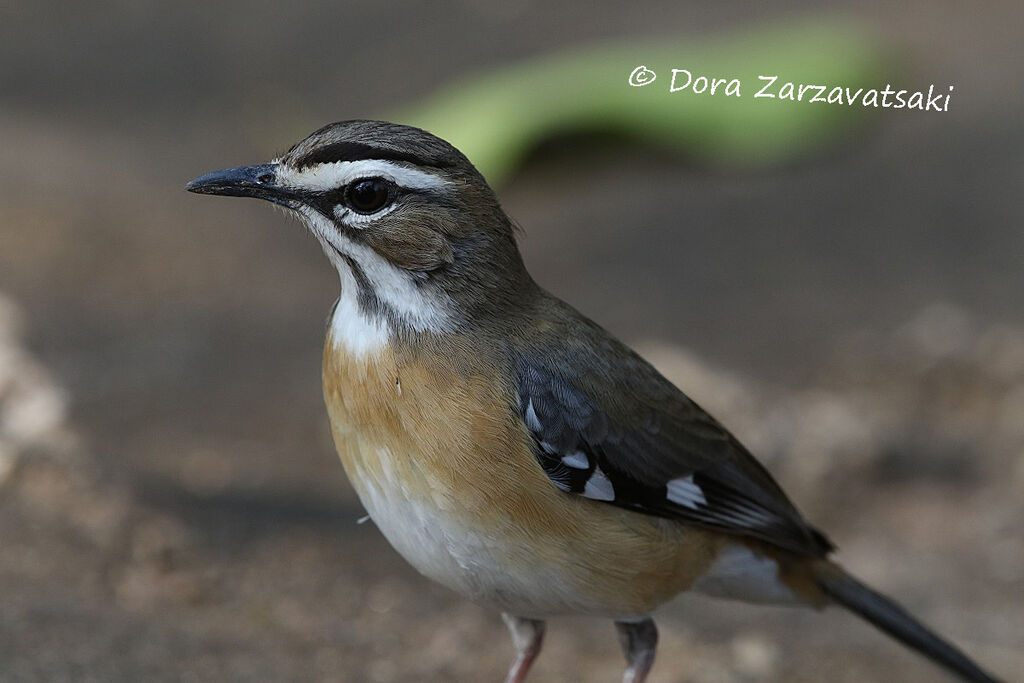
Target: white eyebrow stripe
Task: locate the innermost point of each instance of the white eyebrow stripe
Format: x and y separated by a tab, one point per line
330	176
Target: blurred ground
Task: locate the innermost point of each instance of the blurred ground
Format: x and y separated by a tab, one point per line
188	519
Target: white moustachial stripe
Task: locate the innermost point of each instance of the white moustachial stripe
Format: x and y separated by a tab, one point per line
422	309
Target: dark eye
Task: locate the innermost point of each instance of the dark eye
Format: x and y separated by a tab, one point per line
368	195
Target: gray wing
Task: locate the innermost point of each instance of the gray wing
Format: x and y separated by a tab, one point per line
606	425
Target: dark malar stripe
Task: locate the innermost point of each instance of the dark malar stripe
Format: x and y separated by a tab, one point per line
366	296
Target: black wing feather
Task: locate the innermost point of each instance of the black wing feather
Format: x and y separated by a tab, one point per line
599	409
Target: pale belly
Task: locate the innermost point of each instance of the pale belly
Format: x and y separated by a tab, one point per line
485	563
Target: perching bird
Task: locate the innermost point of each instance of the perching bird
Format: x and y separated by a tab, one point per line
507	446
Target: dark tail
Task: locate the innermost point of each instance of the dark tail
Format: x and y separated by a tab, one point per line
894	620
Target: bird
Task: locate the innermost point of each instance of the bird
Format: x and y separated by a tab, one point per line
507	446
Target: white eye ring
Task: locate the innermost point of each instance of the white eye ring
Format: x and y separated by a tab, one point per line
359	220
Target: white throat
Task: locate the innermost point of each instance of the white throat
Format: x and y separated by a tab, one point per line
350	328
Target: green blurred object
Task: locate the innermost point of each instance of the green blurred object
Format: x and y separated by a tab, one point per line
496	118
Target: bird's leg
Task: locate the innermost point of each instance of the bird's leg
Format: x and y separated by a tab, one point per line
639	641
528	635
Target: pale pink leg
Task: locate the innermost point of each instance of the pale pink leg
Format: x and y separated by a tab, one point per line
528	635
639	641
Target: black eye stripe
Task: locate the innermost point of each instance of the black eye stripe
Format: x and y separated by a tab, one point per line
328	202
339	195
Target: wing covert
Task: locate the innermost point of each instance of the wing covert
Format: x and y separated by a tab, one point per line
649	448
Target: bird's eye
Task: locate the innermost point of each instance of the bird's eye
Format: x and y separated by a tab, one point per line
368	195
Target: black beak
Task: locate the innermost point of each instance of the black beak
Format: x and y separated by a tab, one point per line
258	181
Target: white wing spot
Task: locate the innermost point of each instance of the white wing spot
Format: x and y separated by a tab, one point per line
532	421
683	491
599	487
577	460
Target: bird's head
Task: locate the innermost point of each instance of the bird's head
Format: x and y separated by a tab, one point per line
415	232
